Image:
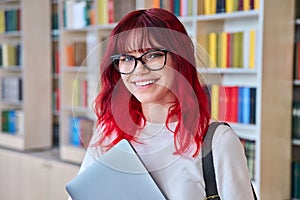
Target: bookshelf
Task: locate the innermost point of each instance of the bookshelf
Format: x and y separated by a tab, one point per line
267	74
24	75
295	166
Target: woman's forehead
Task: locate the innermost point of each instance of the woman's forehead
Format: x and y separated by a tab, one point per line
138	40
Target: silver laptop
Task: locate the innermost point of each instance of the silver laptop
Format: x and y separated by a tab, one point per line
118	174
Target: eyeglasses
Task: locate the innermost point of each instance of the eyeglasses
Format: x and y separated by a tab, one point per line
154	60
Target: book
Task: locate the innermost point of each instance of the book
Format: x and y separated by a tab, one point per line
215	101
252	105
81	130
12	121
249	147
102	11
11	89
212	49
2	21
296	120
252	47
296	180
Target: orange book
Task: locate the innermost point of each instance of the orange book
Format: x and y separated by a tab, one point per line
70	59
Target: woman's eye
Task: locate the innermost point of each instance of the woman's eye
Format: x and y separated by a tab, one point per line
127	59
153	55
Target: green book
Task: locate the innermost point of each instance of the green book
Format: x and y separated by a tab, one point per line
296	180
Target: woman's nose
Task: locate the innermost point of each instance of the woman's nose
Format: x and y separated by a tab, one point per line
140	68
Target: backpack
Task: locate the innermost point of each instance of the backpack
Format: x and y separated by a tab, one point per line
208	166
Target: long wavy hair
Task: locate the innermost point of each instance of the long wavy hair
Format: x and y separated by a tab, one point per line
119	113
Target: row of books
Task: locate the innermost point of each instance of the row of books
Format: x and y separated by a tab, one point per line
228	6
10	55
11	89
79	14
296	179
79	94
296	120
233	103
81	130
12	121
10	20
297	60
75	54
230	49
249	147
178	7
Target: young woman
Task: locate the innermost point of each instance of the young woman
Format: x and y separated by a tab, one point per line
151	95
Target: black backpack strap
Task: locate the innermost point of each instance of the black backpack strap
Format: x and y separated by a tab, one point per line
208	163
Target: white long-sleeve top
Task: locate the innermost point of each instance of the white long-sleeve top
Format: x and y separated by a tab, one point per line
181	177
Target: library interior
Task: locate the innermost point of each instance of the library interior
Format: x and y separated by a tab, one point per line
49	72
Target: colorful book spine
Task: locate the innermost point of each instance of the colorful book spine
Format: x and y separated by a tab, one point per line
12	121
233	103
228	6
230	49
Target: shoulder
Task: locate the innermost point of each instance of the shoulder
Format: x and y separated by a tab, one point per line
225	136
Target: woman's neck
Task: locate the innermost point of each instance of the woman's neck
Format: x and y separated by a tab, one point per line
156	113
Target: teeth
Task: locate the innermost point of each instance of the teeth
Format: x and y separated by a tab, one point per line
143	83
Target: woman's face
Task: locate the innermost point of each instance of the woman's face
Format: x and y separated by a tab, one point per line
151	86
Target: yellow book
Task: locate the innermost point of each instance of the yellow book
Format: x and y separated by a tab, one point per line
214	101
256	4
246	5
102	11
213	7
76	93
224	50
229	6
252	41
8	55
2	21
207	7
212	49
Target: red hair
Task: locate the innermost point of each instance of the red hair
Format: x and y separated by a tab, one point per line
120	114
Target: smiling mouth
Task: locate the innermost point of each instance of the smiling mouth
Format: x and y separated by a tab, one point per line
144	83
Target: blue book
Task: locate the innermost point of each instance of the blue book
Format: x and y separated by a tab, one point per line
240	104
75	131
12	121
246	105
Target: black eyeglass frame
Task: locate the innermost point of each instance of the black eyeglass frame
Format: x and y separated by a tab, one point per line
116	57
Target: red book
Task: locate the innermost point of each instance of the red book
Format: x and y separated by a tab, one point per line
57	103
227	103
222	104
111	11
234	103
84	93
